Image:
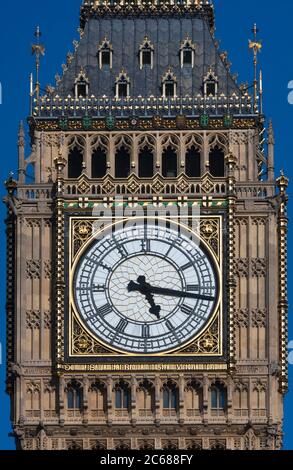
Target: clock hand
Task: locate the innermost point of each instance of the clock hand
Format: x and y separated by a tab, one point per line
142	287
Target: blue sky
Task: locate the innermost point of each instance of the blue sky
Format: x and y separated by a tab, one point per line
58	20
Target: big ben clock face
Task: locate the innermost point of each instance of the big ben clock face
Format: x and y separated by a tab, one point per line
145	289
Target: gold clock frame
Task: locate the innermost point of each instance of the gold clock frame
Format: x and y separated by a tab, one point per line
82	344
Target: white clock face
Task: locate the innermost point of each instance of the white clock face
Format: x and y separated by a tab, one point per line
145	289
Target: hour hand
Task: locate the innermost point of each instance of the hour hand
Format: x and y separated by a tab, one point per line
143	288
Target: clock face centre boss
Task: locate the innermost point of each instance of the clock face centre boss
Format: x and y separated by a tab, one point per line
145	289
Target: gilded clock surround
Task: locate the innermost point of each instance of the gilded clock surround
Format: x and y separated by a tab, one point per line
207	344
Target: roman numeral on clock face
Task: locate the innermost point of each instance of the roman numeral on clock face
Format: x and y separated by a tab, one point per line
99	288
146	245
121	325
145	331
186	309
103	311
186	266
192	288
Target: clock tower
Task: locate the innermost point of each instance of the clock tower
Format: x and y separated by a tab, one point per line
146	258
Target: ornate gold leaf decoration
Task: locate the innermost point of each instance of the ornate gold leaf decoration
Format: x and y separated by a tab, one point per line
208	343
82	231
83	343
209	231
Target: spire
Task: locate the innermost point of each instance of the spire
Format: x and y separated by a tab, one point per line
21	153
256	47
271	137
38	50
271	152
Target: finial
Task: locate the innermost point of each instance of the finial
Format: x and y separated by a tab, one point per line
256	47
11	184
38	50
271	137
283	182
261	92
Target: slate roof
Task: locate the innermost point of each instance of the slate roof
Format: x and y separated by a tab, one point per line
126	33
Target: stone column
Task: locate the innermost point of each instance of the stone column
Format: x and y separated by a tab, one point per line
109	400
158	404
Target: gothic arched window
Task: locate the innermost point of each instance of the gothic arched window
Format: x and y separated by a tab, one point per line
122	162
218	446
122	86
217	162
75	162
210	84
169	162
170	396
74	393
187	53
218	397
122	396
99	163
194	398
169	85
81	86
193	162
97	397
146	54
145	162
146	398
105	52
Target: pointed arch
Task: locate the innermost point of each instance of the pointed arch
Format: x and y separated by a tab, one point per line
74	393
105	54
146	150
75	163
146	54
122	86
122	156
187	53
210	84
99	157
169	85
81	85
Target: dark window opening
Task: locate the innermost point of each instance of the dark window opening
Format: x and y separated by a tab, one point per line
170	398
81	90
75	163
211	88
187	57
122	163
217	162
122	399
122	90
218	397
169	163
170	89
99	163
74	398
106	55
146	163
193	169
146	57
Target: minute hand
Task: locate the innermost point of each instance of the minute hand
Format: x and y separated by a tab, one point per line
177	293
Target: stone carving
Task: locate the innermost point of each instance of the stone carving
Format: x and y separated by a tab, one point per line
33	319
242	317
241	267
48	269
33	269
258	267
259	317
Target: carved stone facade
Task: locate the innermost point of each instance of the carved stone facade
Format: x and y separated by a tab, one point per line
232	400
